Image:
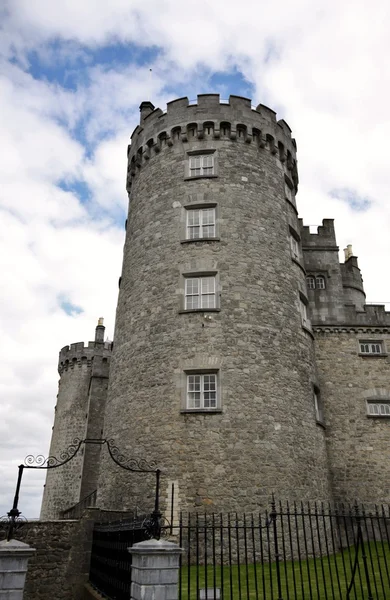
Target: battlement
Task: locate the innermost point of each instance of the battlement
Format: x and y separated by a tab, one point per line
372	315
324	238
78	354
210	119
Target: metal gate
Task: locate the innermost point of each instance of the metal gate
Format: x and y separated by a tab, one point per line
110	570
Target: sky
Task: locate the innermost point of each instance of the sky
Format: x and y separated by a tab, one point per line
72	77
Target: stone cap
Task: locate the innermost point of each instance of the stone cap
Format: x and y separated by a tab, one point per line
155	547
15	547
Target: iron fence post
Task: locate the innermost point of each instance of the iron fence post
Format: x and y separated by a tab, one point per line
273	516
14	513
364	556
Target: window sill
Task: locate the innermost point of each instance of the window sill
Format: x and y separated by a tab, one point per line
200	177
307	330
378	416
373	354
199	310
203	411
204	239
299	263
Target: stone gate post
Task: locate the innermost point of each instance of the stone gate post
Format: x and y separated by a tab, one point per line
154	570
14	557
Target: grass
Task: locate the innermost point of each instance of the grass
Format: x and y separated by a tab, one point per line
314	578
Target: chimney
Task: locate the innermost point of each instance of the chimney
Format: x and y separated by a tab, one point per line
99	331
145	108
348	252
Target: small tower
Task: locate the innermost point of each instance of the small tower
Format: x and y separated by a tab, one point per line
79	414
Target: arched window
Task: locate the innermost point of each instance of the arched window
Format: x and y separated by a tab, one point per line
163	139
208	128
225	129
192	130
256	134
241	131
176	133
282	154
320	282
311	283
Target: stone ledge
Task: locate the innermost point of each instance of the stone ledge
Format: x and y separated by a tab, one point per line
210	239
203	411
198	310
200	177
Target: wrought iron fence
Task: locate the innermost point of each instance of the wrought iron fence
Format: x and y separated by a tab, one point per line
292	552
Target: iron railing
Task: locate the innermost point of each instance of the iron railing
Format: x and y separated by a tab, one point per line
76	511
292	552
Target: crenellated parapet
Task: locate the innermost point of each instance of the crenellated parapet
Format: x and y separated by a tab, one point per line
208	119
77	355
323	239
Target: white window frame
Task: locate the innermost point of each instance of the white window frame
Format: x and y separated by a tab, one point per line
294	245
311	282
379	409
303	311
202	292
371	347
318	406
197	384
202	225
201	165
320	282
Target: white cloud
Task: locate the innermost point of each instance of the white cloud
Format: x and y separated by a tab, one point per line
322	65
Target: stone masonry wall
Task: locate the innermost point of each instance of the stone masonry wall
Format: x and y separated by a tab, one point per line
263	437
358	445
60	566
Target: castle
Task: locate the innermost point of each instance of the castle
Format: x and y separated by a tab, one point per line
245	360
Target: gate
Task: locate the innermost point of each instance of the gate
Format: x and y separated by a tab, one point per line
110	570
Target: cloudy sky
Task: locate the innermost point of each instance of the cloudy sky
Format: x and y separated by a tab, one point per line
73	74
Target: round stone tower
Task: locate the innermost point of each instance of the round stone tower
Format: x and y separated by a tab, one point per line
212	373
82	391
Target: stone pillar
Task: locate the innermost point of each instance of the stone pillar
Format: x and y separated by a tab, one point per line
14	557
154	570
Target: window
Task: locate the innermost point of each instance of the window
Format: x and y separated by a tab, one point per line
294	247
378	409
318	406
320	282
200	293
200	223
303	309
367	347
311	283
201	164
202	391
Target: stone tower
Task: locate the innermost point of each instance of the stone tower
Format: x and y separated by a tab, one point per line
79	414
213	370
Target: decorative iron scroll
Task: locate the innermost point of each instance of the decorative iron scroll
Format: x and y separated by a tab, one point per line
11	523
130	464
52	462
156	526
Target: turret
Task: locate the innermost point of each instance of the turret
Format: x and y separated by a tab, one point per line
352	280
82	390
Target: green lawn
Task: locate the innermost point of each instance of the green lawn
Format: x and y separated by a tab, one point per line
311	579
